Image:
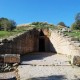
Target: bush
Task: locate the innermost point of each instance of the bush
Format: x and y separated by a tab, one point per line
74	26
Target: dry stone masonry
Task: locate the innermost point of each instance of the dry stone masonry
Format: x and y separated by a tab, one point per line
41	40
65	45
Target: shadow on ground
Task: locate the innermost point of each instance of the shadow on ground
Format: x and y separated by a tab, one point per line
35	56
54	77
14	78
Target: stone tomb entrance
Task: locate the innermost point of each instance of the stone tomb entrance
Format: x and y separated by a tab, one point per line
44	44
41	42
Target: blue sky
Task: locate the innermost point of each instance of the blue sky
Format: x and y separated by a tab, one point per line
51	11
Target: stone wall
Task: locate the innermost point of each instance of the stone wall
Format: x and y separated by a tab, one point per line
64	45
21	44
25	42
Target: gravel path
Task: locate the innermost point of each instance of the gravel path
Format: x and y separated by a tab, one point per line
49	73
47	66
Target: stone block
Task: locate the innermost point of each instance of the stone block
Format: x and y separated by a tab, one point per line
76	60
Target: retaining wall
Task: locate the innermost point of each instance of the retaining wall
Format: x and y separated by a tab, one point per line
64	45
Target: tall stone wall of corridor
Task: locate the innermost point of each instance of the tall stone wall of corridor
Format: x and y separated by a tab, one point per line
21	44
64	45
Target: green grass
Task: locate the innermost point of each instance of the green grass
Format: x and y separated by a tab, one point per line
4	34
75	34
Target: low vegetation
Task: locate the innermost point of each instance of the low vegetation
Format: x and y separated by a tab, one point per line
4	34
42	25
75	34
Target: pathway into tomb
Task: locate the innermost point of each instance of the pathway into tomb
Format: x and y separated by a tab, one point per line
47	66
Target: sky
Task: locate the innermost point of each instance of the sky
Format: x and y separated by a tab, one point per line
51	11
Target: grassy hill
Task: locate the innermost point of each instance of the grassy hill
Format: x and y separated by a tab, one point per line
25	27
75	34
38	25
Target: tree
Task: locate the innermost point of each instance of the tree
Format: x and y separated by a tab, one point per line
6	24
77	17
12	24
62	24
76	24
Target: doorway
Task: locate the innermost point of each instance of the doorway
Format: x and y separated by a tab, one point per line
41	42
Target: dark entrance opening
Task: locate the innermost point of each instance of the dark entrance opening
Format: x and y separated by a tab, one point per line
41	45
41	42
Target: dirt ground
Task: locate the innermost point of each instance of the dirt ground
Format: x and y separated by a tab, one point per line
47	66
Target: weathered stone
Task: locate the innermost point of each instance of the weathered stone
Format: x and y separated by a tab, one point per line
76	60
40	40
